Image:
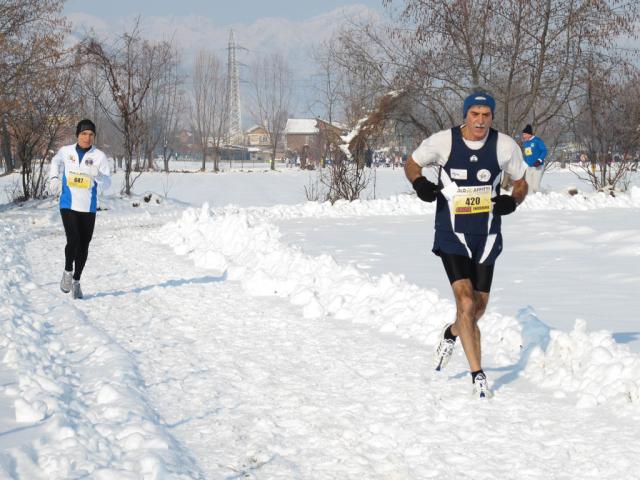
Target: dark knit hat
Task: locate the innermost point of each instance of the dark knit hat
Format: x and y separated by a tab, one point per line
479	98
85	124
528	129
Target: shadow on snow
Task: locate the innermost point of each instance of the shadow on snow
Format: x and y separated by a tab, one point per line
166	284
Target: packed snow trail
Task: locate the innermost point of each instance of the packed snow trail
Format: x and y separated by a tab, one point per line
264	385
78	402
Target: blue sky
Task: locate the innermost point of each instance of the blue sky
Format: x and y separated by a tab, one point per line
221	12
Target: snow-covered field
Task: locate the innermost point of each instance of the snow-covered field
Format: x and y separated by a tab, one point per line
232	330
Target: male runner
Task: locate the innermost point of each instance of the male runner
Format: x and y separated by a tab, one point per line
470	160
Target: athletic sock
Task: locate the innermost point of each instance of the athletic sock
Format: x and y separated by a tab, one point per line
475	374
448	335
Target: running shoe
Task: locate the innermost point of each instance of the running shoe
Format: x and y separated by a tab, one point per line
65	283
444	350
77	291
481	387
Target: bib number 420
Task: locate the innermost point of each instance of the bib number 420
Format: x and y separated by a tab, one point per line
472	200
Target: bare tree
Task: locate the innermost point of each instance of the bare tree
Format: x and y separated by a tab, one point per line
272	88
372	63
347	175
172	126
128	68
90	93
328	84
603	128
209	107
160	111
529	55
45	106
30	42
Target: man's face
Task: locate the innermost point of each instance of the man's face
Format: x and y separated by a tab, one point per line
478	121
526	137
85	138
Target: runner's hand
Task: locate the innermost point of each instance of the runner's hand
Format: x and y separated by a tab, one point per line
504	204
427	191
537	163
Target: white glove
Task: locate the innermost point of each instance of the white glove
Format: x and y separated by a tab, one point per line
54	186
92	168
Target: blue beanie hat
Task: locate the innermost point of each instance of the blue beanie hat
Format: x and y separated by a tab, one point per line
479	98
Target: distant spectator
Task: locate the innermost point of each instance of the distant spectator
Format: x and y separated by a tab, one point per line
535	152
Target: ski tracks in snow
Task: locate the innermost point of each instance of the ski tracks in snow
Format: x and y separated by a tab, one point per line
250	388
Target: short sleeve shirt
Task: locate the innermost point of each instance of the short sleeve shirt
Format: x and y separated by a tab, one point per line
436	149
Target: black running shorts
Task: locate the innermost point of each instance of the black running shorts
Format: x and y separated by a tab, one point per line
459	267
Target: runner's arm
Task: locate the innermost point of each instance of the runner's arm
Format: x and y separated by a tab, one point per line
412	170
104	175
520	189
54	168
433	150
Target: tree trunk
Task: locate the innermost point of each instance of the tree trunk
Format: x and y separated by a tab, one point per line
216	160
166	158
128	162
6	146
273	157
149	159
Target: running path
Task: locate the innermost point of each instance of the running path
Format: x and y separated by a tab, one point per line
73	404
252	390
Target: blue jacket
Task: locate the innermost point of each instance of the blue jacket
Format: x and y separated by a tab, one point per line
534	150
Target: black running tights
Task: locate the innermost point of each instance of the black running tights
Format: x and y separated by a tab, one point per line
78	226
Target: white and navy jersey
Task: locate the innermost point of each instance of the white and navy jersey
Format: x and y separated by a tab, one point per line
470	175
80	190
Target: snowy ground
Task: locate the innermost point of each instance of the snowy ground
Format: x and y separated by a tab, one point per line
282	339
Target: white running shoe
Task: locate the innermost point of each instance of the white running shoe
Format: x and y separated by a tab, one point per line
77	291
481	387
65	283
444	350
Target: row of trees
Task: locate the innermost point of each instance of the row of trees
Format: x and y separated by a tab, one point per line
34	84
135	90
554	64
557	64
131	89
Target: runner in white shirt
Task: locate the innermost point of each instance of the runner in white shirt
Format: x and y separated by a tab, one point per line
76	170
470	160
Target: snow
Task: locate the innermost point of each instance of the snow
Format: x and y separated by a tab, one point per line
232	330
306	126
346	139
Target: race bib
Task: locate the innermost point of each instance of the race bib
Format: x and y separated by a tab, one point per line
470	200
78	180
528	151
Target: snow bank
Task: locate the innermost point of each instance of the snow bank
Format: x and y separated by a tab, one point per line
76	393
248	249
409	204
591	364
581	201
252	254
